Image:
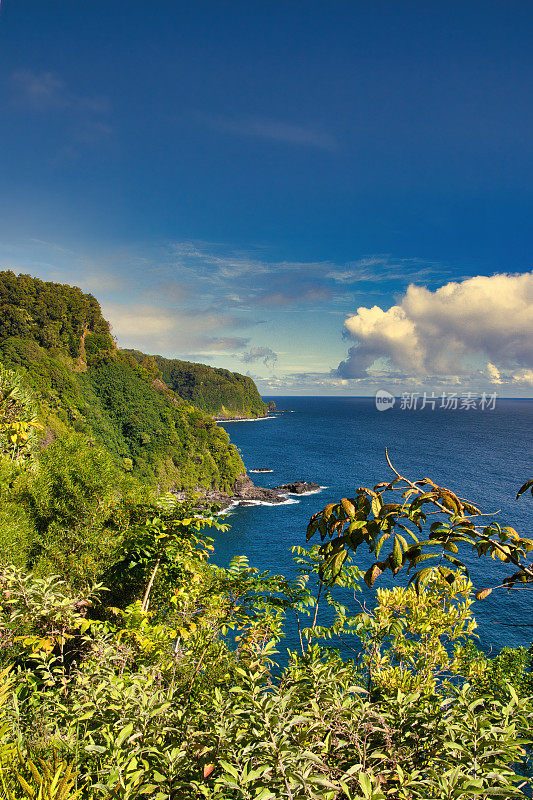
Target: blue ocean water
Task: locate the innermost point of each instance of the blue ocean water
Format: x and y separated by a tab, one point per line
340	443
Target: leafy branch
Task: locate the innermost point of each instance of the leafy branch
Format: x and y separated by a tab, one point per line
369	519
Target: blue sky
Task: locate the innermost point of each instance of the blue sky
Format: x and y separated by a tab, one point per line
269	186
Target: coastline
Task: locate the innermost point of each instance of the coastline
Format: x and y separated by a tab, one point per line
272	413
246	493
243	419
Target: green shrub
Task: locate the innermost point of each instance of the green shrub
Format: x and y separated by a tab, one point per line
69	500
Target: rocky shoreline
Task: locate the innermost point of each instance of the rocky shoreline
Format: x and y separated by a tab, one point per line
271	413
298	487
246	493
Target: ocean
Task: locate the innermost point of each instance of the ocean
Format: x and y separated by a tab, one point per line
339	443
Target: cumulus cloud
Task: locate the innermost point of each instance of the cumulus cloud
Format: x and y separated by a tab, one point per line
264	354
448	332
493	373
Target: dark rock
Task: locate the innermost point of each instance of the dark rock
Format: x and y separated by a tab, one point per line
298	487
245	493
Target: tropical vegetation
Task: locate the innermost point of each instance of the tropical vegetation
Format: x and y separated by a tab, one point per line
215	391
133	667
56	337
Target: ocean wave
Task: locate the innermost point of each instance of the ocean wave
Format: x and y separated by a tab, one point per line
251	419
288	501
303	494
227	510
239	503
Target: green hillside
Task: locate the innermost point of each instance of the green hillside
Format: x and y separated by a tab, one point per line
215	391
57	336
56	316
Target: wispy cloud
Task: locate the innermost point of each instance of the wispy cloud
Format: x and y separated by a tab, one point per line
275	130
285	294
167	331
204	301
375	268
264	354
44	91
248	279
39	91
85	116
172	290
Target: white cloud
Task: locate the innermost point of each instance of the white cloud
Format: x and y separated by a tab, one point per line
493	373
524	376
448	332
156	329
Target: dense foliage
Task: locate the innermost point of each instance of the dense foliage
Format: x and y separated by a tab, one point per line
18	417
371	518
215	391
54	315
131	667
62	345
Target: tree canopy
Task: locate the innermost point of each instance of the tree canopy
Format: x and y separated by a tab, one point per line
213	390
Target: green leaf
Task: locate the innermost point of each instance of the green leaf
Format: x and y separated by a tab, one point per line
94	748
380	543
373	573
377	505
230	770
124	734
348	507
397	554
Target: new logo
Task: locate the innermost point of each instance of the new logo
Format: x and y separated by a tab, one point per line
384	400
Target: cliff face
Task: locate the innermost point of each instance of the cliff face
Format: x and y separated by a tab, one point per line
57	336
215	391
